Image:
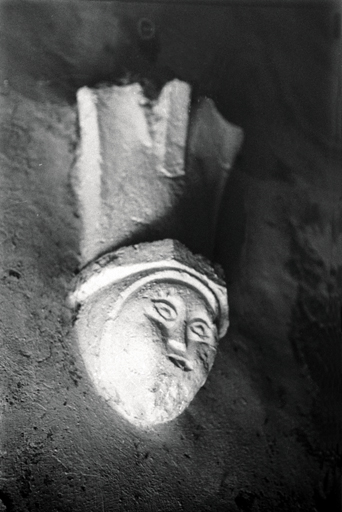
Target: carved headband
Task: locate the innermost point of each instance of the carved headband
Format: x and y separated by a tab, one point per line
115	267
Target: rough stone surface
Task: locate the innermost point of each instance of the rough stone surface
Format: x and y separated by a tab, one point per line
132	178
124	158
264	432
148	323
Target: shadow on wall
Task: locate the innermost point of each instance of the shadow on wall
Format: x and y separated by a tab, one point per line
53	49
255	437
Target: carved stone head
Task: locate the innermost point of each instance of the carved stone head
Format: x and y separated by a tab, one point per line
148	326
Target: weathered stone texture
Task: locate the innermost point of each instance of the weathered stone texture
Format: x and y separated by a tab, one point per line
149	318
264	431
142	174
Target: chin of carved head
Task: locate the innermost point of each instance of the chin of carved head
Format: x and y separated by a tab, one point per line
150	342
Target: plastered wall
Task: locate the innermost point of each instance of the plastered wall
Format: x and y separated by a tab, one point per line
264	432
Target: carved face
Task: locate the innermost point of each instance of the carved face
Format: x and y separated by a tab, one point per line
156	352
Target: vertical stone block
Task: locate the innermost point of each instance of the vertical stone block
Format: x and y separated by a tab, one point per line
130	151
148	170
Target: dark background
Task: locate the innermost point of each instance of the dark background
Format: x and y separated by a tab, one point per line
264	433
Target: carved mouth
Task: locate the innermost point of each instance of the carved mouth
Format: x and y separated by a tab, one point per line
181	362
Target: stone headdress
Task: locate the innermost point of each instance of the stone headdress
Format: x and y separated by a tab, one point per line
135	266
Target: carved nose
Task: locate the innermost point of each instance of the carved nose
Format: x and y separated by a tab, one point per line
177	348
178	345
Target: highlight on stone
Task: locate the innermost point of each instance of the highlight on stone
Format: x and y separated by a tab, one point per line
150	169
149	321
150	315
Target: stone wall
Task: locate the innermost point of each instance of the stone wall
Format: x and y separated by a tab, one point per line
264	433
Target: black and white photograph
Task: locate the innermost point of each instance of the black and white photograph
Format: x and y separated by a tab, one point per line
170	256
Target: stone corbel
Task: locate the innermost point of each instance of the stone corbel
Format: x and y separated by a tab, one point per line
148	324
149	315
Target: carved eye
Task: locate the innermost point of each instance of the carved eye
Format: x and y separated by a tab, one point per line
165	309
199	328
202	332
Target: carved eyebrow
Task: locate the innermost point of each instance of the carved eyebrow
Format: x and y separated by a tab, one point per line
202	321
165	301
